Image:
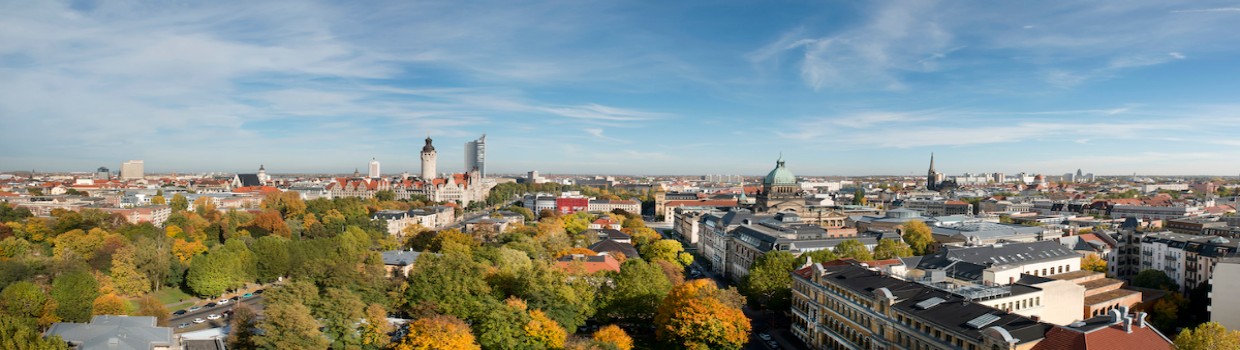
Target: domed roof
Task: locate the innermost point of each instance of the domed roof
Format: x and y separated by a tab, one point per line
428	147
779	175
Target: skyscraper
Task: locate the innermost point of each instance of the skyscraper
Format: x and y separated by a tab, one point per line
374	168
131	170
428	160
475	155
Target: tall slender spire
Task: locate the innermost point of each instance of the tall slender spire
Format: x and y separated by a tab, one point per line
932	162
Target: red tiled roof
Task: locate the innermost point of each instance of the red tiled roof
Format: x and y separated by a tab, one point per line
259	189
608	264
1109	337
9	194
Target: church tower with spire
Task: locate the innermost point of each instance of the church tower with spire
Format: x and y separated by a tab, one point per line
428	160
932	176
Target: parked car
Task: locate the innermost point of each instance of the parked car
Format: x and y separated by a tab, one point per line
247	295
199	320
764	336
183	325
772	344
213	317
195	308
257	292
212	304
222	301
179	312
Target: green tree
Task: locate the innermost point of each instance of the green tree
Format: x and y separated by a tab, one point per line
770	280
153	259
859	196
544	286
242	323
290	326
852	248
75	291
158	200
23	299
1155	279
452	283
212	274
918	236
819	256
666	249
1207	336
501	327
385	195
19	334
340	316
891	248
271	255
179	203
635	292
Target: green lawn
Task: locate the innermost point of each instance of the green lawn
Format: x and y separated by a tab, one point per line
172	296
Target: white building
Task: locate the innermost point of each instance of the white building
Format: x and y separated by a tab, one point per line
431	218
604	205
132	170
374	169
1187	259
1149	212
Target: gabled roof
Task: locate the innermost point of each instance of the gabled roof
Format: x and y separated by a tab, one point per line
1101	333
591	263
249	180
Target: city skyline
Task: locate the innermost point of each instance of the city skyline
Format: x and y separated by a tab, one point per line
846	89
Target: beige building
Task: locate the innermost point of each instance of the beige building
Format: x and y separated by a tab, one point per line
1224	307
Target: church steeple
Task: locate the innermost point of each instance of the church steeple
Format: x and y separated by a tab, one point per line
932	162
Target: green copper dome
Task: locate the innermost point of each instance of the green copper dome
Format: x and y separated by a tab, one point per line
780	175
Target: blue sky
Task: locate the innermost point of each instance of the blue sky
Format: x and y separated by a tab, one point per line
658	87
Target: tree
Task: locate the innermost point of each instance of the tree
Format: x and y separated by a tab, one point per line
859	196
158	200
376	328
693	317
891	248
543	286
770	280
1165	314
150	306
502	326
1207	336
185	251
16	333
125	275
153	259
1155	279
23	299
819	256
611	334
918	237
545	331
242	322
340	315
109	304
635	292
666	249
269	222
214	273
179	203
290	326
271	254
1091	262
439	332
452	283
674	271
852	248
385	195
74	292
643	235
453	240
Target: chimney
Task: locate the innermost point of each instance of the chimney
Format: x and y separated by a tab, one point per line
1128	324
1141	319
1115	316
1036	318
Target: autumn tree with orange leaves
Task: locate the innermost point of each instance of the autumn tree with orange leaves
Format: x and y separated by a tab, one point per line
438	332
693	317
614	335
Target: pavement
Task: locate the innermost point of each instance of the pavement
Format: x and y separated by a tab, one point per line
255	303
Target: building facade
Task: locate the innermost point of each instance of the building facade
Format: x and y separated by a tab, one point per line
428	160
476	154
132	170
780	191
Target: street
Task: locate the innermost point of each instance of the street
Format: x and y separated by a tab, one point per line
255	303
